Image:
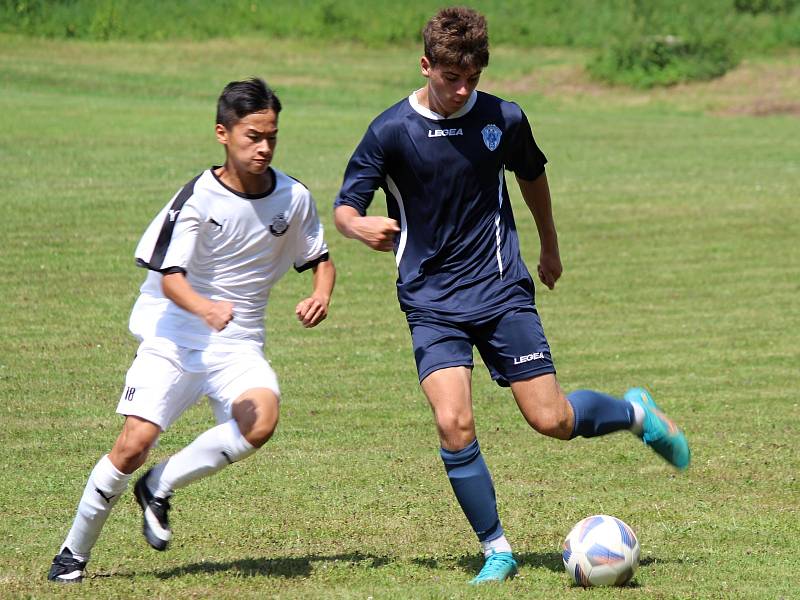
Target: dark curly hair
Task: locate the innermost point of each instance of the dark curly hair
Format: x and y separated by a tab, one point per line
457	36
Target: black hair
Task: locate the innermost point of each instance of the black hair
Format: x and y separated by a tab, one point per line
242	98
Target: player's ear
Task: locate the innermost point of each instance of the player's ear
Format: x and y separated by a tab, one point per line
425	66
222	134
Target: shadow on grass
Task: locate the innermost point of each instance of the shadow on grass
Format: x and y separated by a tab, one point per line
633	584
273	567
537	560
302	566
472	563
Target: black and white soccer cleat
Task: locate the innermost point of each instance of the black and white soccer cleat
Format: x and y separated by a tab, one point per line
155	515
66	568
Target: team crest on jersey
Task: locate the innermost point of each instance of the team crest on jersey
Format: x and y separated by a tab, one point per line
279	225
491	136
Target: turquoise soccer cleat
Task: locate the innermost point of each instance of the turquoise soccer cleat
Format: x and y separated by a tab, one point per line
658	430
499	566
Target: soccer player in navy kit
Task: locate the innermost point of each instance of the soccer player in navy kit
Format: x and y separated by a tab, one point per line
440	156
213	254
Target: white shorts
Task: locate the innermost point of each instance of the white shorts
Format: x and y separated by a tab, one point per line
166	379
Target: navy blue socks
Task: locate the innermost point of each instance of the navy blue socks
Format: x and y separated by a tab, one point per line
599	414
595	414
474	490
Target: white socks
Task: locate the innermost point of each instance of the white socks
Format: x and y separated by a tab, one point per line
496	545
106	484
638	419
208	453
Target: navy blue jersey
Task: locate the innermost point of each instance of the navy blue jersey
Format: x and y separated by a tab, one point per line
457	252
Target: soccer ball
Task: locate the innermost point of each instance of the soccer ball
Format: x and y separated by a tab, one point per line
601	550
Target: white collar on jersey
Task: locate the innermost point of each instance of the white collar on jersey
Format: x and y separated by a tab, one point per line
429	114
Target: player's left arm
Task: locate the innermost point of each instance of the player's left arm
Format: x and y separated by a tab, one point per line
536	194
313	310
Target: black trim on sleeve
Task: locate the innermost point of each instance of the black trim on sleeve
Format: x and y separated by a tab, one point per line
165	235
313	263
297	180
167	271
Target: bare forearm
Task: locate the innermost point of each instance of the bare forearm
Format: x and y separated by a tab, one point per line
344	218
536	194
216	314
376	232
177	289
324	280
314	309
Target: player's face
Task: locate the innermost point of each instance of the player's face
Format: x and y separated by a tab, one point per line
449	86
251	141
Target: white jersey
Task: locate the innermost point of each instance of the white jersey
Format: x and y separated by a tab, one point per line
231	246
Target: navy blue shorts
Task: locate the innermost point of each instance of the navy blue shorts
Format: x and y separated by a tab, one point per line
512	345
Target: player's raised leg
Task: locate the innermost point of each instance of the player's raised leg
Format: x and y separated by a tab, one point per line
588	413
449	393
107	481
254	417
659	431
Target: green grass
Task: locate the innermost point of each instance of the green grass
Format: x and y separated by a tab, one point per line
678	231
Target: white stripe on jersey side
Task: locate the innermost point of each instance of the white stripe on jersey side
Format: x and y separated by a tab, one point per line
497	224
403	224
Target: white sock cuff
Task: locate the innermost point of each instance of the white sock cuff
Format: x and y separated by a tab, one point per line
108	477
236	445
638	418
496	545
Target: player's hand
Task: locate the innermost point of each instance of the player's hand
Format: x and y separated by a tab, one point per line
376	232
218	314
549	267
311	311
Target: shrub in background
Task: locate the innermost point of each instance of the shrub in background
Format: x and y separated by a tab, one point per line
649	60
756	7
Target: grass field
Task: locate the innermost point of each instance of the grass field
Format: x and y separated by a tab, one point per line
678	220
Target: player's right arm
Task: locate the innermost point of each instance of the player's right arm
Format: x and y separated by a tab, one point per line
376	232
217	314
365	173
536	194
167	247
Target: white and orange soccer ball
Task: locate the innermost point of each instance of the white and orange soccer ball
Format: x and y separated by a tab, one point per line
601	550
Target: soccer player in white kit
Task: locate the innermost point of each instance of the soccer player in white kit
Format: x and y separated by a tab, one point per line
213	254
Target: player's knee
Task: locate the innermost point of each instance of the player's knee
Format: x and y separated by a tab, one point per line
455	428
130	452
256	415
451	422
258	436
134	443
553	423
261	430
